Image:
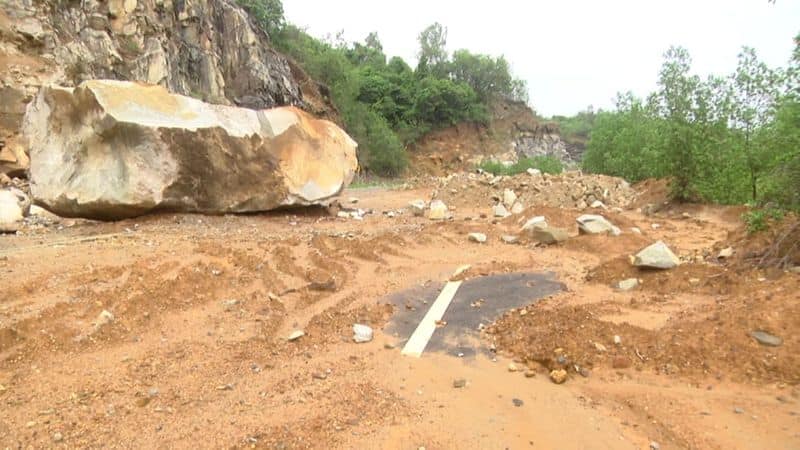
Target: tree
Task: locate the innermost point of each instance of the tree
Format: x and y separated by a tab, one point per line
488	76
674	101
755	89
433	52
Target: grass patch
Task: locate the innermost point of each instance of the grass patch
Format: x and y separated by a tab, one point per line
547	164
374	182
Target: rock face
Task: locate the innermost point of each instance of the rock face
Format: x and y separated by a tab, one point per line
207	49
115	149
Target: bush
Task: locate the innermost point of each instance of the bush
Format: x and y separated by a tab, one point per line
546	164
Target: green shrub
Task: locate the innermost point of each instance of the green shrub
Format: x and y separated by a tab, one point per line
546	164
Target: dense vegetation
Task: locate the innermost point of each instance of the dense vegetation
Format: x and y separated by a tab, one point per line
546	164
385	104
733	139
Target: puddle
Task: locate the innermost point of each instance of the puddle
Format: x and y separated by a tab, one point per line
466	312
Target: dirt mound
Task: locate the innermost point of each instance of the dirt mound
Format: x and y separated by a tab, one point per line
717	343
567	190
777	247
687	277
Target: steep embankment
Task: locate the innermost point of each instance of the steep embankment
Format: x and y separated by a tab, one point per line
513	132
207	49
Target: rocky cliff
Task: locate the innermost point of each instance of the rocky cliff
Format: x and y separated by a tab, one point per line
513	132
206	49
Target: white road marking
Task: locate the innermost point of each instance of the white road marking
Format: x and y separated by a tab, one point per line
419	339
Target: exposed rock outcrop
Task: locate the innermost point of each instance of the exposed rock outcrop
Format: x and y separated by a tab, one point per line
513	132
115	149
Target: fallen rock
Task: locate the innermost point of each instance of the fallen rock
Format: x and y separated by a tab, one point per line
549	235
628	285
509	198
362	333
767	339
517	402
116	149
14	205
500	211
558	376
438	210
597	204
594	224
295	335
509	239
417	207
480	238
725	253
103	319
535	222
656	256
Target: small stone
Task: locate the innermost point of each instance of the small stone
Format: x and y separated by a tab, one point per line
461	270
480	238
600	347
530	373
694	280
636	230
558	376
509	198
509	239
513	367
655	446
362	333
617	340
459	383
58	437
725	253
598	205
417	207
500	211
584	372
438	211
548	235
621	362
738	410
534	222
352	200
388	346
594	224
296	334
319	375
30	424
767	339
517	208
534	172
628	285
343	215
103	319
517	402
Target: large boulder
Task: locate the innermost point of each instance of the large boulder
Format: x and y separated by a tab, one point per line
116	149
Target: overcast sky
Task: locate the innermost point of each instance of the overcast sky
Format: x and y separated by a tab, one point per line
572	53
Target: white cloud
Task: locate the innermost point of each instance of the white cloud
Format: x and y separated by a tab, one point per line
572	53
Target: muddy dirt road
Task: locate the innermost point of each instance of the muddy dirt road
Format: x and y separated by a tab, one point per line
171	331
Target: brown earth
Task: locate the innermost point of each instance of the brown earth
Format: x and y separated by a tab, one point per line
196	354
